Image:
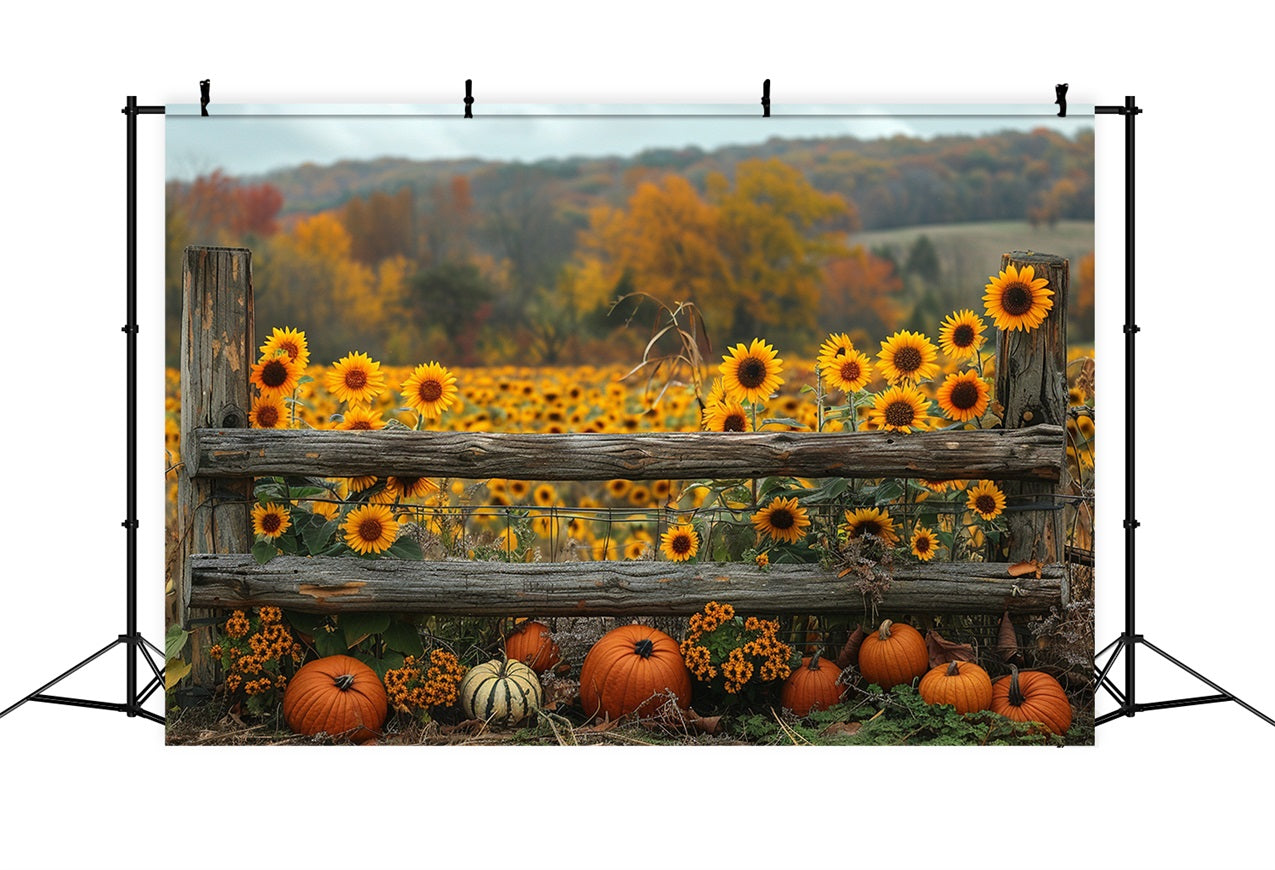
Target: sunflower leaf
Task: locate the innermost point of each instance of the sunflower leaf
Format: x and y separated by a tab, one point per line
263	551
405	548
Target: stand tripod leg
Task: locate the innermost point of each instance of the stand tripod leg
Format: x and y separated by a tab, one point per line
35	696
1191	701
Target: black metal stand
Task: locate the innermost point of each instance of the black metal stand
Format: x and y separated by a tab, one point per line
132	640
1130	640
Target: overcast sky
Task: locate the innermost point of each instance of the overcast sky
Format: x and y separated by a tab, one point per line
248	140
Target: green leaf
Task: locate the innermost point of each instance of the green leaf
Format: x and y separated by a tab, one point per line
784	421
174	671
306	623
358	626
317	534
175	641
263	551
403	636
304	379
405	548
330	643
387	662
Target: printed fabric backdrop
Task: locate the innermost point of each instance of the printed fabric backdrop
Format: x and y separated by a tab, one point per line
629	425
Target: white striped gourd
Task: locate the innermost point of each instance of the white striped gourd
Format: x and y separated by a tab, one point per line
501	693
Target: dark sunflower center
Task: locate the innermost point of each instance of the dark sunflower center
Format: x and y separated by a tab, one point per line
963	335
899	414
907	359
370	529
291	350
1017	299
850	370
922	544
356	379
964	395
782	518
735	423
985	504
274	373
681	543
430	391
407	485
267	416
361	424
869	527
751	373
270	523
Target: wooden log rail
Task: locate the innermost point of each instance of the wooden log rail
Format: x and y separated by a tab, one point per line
1035	453
334	584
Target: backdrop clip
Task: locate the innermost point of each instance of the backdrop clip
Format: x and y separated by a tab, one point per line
204	99
469	98
765	98
1060	99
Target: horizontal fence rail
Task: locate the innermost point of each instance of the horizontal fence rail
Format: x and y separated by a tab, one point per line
334	584
1035	453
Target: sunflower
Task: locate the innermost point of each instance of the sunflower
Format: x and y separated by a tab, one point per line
544	494
871	521
290	341
751	373
268	413
986	499
834	347
358	484
900	409
782	520
409	487
275	376
430	390
849	372
924	544
507	541
942	485
604	551
325	508
963	397
355	378
961	334
1018	300
360	418
716	393
908	356
635	546
727	415
1084	425
270	520
518	489
618	488
639	496
370	529
680	543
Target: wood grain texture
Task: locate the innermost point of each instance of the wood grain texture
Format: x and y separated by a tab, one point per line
1031	384
217	352
336	584
1029	454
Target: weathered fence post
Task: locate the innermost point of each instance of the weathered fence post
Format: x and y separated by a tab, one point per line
1031	384
217	352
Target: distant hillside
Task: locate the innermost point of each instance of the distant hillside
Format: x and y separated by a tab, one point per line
893	182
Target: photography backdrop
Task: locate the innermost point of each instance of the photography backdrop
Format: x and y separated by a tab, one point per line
809	65
618	270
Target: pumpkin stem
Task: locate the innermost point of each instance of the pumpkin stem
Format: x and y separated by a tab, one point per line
344	682
884	632
814	662
953	669
1015	693
644	647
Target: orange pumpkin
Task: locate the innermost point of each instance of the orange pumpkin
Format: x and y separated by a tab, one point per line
531	644
893	654
813	686
964	685
337	695
1032	696
631	670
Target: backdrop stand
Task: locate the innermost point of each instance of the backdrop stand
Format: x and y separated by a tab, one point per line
131	640
1130	640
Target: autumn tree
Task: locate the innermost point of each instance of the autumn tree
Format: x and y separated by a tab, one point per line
861	296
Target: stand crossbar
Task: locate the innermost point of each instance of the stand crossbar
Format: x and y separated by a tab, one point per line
1130	640
131	640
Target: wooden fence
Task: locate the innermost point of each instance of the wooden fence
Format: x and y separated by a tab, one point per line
221	456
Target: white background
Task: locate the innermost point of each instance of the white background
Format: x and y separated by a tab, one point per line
1181	788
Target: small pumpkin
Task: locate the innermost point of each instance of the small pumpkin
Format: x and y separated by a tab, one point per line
531	644
501	692
1032	696
336	695
631	669
964	685
892	655
813	686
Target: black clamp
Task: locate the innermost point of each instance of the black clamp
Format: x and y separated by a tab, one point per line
1128	329
204	99
469	98
1131	524
765	98
1060	99
131	329
129	524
